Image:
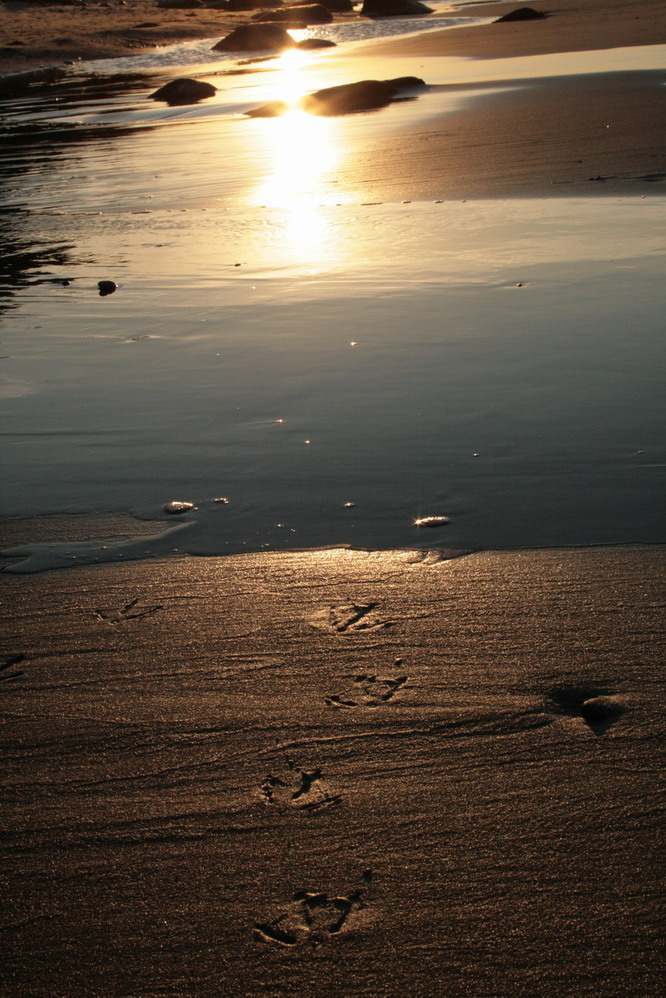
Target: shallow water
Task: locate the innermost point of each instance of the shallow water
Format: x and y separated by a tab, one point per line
278	342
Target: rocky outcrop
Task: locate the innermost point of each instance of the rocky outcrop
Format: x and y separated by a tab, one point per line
256	38
349	98
296	14
394	8
184	91
521	14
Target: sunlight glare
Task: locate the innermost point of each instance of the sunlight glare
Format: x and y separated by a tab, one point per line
300	158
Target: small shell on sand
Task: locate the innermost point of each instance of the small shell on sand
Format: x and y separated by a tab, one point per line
178	507
431	521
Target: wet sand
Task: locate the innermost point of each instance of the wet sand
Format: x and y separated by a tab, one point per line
328	773
332	772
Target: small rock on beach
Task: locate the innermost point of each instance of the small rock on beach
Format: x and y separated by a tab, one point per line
184	91
348	98
175	507
521	14
431	521
256	38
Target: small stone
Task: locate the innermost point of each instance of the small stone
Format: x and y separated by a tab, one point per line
176	508
106	287
431	521
521	14
349	505
184	91
307	44
600	710
223	500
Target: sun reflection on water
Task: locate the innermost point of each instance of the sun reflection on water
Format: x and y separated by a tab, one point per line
300	158
300	155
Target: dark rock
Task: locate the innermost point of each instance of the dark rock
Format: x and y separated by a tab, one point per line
521	14
600	710
365	95
184	91
301	13
176	508
405	83
106	287
393	8
314	43
178	4
256	38
348	98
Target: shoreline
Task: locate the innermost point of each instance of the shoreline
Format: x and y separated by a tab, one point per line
62	529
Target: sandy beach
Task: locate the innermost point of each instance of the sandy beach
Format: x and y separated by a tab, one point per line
333	772
328	772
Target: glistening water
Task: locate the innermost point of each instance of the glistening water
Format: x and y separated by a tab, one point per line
335	369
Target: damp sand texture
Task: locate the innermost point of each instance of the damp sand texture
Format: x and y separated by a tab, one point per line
333	773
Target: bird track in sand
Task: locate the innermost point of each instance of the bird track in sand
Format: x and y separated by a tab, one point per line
297	788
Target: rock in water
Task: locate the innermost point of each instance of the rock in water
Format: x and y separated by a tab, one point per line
365	95
314	43
401	84
178	507
431	521
348	98
184	91
106	287
394	8
256	38
521	14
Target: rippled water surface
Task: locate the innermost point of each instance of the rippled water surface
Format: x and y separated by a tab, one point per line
334	368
